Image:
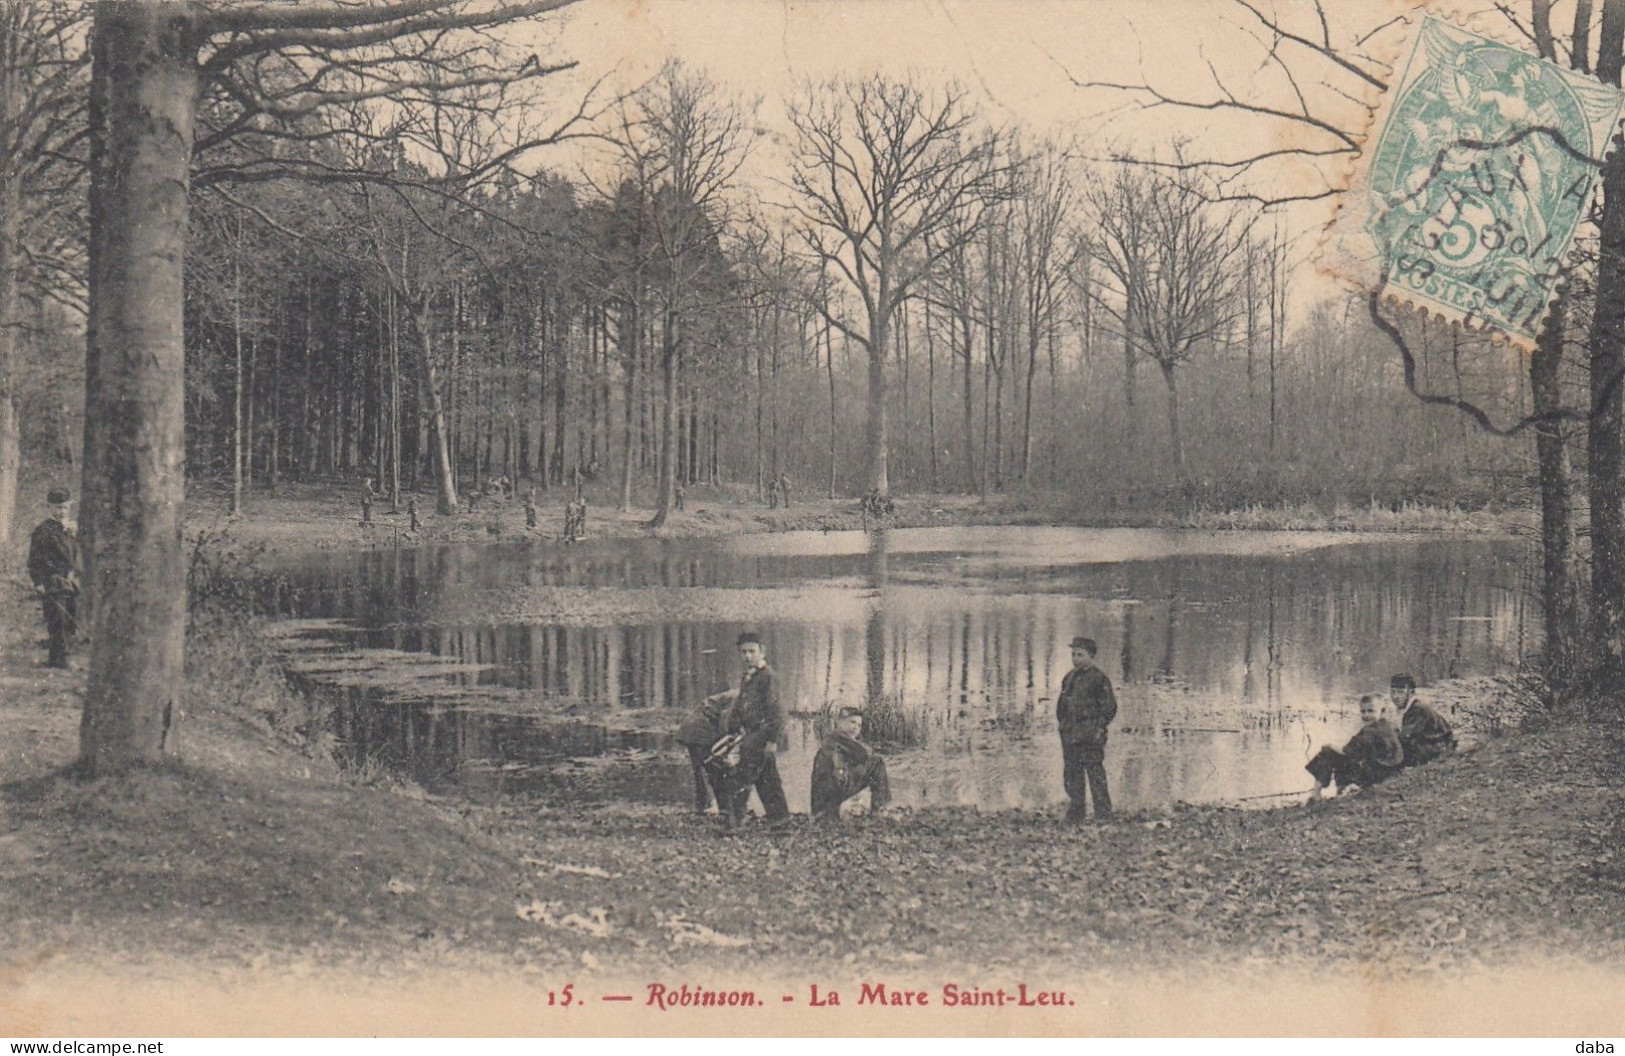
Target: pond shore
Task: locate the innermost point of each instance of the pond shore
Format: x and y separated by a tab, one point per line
328	517
254	862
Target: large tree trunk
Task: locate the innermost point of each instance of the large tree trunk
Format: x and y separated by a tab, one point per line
670	350
237	383
1175	443
876	432
829	369
630	324
144	85
1027	409
931	397
1558	596
439	445
1604	442
969	408
10	434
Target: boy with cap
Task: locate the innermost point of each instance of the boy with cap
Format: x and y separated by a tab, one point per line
1371	754
845	766
53	565
756	715
1423	732
1085	707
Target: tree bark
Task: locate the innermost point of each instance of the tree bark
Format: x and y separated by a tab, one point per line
439	445
1558	595
1605	443
630	328
670	350
1175	443
10	433
829	365
877	425
143	93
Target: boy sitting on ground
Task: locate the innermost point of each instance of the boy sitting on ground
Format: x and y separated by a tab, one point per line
845	766
1423	732
1370	756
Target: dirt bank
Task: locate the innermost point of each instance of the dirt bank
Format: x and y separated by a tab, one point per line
328	516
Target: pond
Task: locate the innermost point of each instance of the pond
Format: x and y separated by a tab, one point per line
523	668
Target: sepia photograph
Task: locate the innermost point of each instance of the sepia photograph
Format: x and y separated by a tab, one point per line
753	518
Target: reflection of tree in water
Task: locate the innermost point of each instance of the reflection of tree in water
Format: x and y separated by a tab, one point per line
1250	644
874	626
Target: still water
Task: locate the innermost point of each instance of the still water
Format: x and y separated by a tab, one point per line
512	669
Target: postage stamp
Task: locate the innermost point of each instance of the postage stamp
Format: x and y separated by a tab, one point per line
1478	173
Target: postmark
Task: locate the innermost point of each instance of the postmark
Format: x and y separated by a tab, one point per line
1476	178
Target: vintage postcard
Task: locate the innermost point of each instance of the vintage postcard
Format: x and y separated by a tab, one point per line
750	518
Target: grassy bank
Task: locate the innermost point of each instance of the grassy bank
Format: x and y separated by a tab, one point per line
328	516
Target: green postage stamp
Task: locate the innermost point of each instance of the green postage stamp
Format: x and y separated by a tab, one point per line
1477	176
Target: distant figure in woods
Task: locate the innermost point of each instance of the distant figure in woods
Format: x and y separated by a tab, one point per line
1423	732
876	508
53	565
530	509
748	735
412	514
1370	756
678	495
473	498
845	766
1085	707
368	496
575	520
783	485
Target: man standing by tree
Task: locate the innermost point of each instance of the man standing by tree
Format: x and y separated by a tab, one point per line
53	565
1084	709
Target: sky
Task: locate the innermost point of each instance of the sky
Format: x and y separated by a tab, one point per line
1021	60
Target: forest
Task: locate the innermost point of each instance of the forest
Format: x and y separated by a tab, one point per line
1053	321
402	256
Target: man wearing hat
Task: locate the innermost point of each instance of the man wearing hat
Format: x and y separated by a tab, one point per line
1084	709
845	766
1423	733
53	565
754	713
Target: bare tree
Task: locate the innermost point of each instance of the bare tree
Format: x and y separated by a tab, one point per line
682	143
260	70
43	73
1170	256
889	179
1044	244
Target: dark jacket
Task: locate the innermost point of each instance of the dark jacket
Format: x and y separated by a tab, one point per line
1424	734
1374	753
53	558
702	727
1085	707
756	712
842	768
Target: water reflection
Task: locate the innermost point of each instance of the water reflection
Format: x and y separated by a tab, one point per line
1232	661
